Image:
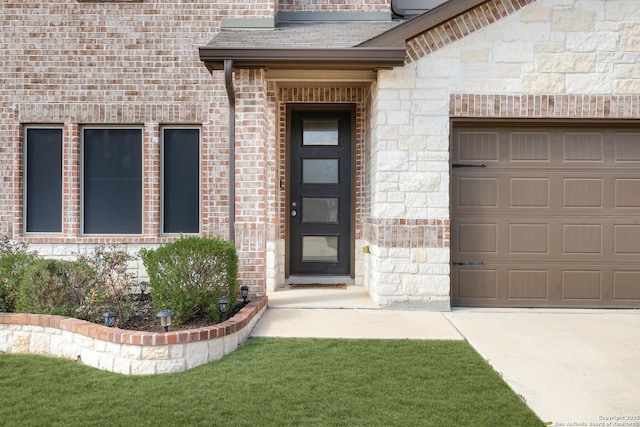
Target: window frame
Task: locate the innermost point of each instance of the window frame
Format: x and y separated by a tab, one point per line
82	179
162	179
25	183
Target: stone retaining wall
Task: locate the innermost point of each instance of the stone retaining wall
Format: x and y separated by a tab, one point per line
123	351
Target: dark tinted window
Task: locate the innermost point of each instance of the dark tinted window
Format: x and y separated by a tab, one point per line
112	181
181	180
43	185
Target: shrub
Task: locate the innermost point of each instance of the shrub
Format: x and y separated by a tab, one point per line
15	259
190	275
52	286
111	286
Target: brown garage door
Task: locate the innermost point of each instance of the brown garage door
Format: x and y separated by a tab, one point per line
545	216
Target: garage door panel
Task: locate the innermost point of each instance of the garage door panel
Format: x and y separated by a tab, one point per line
551	219
528	284
477	146
627	147
581	239
626	286
477	283
530	147
528	238
626	239
627	193
583	146
581	285
529	192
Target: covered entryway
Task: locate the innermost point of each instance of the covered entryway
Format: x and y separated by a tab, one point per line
545	215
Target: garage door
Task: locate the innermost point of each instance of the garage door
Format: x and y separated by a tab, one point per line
545	216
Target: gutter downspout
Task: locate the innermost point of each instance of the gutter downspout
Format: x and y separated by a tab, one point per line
231	95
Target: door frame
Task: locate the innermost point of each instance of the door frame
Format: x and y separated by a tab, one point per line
306	107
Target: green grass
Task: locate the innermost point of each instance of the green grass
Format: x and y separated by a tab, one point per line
273	382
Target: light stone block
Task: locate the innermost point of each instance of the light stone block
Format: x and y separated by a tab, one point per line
170	366
401	117
419	182
435	269
439	255
418	255
592	42
6	341
398	78
567	63
536	14
90	357
216	349
630	44
438	67
513	53
623	10
197	354
155	352
437	213
176	351
106	362
21	342
573	20
39	343
630	29
474	55
527	31
628	86
589	83
438	200
131	351
543	83
121	366
392	161
231	343
413	143
416	200
143	367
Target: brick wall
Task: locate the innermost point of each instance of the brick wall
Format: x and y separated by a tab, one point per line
74	63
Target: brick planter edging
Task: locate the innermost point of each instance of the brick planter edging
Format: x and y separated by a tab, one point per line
124	351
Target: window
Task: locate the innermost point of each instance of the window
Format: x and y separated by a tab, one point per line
112	180
43	180
180	180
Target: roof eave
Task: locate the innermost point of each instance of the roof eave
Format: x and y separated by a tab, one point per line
398	35
304	58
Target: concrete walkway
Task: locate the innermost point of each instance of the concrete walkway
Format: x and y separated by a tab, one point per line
572	367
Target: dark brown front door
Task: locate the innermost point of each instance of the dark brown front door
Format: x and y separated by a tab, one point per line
320	195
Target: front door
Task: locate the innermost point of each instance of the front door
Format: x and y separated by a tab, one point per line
320	194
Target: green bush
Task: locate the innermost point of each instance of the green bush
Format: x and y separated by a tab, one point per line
52	286
111	286
190	275
15	259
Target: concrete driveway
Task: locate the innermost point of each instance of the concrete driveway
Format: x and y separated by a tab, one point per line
573	367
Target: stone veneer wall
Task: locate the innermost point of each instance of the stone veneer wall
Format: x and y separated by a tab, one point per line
122	351
506	59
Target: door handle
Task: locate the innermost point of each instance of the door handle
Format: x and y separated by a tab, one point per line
294	213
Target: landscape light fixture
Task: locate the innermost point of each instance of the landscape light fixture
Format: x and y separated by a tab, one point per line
245	293
165	319
109	319
143	287
223	304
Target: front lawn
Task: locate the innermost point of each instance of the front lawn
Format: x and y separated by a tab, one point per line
273	382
